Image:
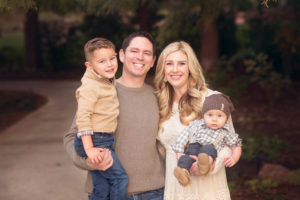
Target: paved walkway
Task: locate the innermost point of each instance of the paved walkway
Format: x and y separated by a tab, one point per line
33	163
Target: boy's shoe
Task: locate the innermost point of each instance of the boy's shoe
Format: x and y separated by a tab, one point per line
182	175
203	164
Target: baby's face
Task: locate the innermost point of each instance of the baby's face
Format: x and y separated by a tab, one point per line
215	119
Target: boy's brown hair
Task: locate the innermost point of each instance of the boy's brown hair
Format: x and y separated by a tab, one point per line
96	43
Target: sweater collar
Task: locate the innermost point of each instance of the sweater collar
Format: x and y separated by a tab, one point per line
93	75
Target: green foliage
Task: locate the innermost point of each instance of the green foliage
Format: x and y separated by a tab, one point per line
108	26
267	2
11	52
279	39
60	6
252	145
294	177
14	40
232	185
6	5
234	75
261	185
232	177
183	21
61	44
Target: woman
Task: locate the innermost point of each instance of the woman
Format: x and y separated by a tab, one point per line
181	90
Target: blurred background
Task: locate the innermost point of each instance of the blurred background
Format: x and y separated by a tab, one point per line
249	49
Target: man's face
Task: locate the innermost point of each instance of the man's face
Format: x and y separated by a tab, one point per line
138	57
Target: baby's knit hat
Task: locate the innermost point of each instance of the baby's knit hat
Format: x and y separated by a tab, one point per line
218	102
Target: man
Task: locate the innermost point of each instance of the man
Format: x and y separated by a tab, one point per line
135	137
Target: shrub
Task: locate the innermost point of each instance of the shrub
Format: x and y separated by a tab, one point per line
294	177
244	69
61	43
11	52
253	146
261	185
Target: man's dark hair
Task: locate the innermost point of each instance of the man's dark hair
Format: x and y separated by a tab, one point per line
133	35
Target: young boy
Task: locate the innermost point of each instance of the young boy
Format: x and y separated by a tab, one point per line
206	137
97	118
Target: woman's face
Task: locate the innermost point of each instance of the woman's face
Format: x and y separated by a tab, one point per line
177	70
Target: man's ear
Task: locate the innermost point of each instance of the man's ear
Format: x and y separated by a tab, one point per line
88	65
121	55
154	58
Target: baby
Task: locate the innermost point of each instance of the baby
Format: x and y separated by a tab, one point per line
206	137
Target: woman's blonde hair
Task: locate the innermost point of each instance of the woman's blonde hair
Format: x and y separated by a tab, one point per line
190	104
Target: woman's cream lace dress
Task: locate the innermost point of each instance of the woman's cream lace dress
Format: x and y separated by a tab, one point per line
210	187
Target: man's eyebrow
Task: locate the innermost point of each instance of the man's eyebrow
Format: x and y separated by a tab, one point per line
148	51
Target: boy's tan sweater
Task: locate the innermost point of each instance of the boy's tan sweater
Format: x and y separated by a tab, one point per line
98	105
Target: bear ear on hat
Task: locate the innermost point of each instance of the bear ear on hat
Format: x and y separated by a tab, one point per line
230	105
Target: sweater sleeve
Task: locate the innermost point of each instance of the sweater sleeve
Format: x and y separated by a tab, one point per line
68	141
87	97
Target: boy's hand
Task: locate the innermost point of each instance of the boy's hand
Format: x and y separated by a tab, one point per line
229	161
94	155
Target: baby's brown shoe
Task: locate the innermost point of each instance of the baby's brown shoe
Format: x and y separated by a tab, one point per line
203	163
182	175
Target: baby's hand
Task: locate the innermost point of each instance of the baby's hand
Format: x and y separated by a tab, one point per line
229	161
94	155
178	155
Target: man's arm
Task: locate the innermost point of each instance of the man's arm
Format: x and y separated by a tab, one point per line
68	140
80	162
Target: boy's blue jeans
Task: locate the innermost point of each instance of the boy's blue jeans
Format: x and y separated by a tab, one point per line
112	183
186	161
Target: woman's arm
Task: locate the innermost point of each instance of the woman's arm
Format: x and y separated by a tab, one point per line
232	160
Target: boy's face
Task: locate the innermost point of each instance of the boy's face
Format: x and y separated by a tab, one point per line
215	119
138	57
103	62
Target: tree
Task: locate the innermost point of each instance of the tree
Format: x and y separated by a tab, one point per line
142	11
196	19
31	24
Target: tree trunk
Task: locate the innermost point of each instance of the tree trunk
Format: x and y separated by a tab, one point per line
32	42
144	16
209	44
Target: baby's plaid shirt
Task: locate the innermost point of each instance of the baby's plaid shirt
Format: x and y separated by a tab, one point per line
198	132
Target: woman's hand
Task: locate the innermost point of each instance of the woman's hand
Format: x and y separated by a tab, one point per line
229	161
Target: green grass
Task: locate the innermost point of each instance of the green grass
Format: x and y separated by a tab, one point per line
14	40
